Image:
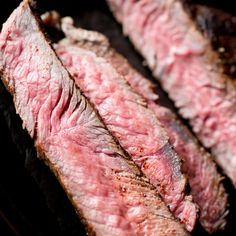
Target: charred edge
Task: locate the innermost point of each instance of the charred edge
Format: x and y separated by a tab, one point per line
12	92
33	7
218	27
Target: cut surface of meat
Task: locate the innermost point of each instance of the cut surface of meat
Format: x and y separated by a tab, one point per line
182	59
205	182
105	187
135	127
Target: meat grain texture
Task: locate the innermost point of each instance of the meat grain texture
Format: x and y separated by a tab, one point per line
205	182
105	187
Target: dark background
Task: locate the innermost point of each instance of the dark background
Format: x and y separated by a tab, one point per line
31	200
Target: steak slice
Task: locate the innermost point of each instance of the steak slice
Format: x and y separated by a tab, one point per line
105	187
205	182
184	62
136	127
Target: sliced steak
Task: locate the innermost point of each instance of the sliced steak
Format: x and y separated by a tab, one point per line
136	127
184	62
205	182
105	187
